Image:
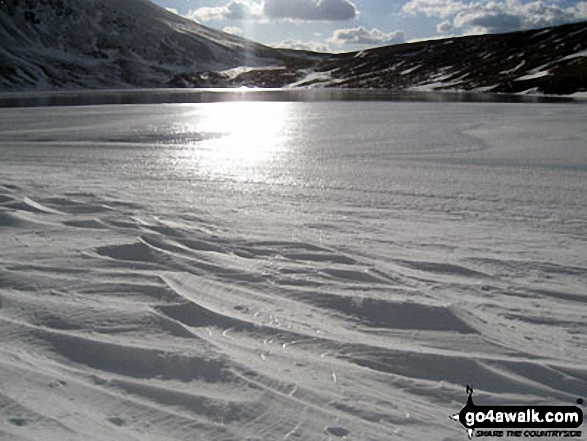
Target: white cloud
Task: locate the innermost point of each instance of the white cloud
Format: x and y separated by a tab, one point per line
539	13
315	46
310	10
362	36
173	10
262	10
233	10
434	8
488	17
234	30
496	16
444	27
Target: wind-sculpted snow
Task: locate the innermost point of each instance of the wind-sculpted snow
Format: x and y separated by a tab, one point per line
345	277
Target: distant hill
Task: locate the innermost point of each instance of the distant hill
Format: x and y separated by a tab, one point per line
99	44
550	61
55	44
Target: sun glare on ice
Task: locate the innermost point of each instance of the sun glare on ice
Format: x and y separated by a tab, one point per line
243	140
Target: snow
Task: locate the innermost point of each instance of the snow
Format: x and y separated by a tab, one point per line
287	270
541	33
236	71
439	81
513	69
312	77
532	76
576	55
426	87
483	89
410	70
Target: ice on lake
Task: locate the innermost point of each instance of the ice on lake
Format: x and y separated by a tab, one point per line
288	270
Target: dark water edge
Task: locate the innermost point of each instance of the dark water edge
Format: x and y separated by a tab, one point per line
162	96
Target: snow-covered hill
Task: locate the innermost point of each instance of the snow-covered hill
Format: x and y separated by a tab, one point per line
53	44
551	60
98	44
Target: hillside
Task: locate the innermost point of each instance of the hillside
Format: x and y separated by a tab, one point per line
551	61
55	44
100	44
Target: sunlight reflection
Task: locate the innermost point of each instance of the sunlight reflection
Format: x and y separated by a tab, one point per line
243	140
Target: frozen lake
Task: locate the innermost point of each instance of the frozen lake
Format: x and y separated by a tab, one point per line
288	270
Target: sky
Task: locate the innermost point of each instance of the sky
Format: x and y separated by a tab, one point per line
345	25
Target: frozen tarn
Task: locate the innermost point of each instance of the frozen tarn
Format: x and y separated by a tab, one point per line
287	270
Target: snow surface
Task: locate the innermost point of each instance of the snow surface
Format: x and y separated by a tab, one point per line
513	69
281	270
532	76
410	70
582	53
312	77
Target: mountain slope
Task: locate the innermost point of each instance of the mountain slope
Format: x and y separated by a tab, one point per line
98	44
51	44
551	60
